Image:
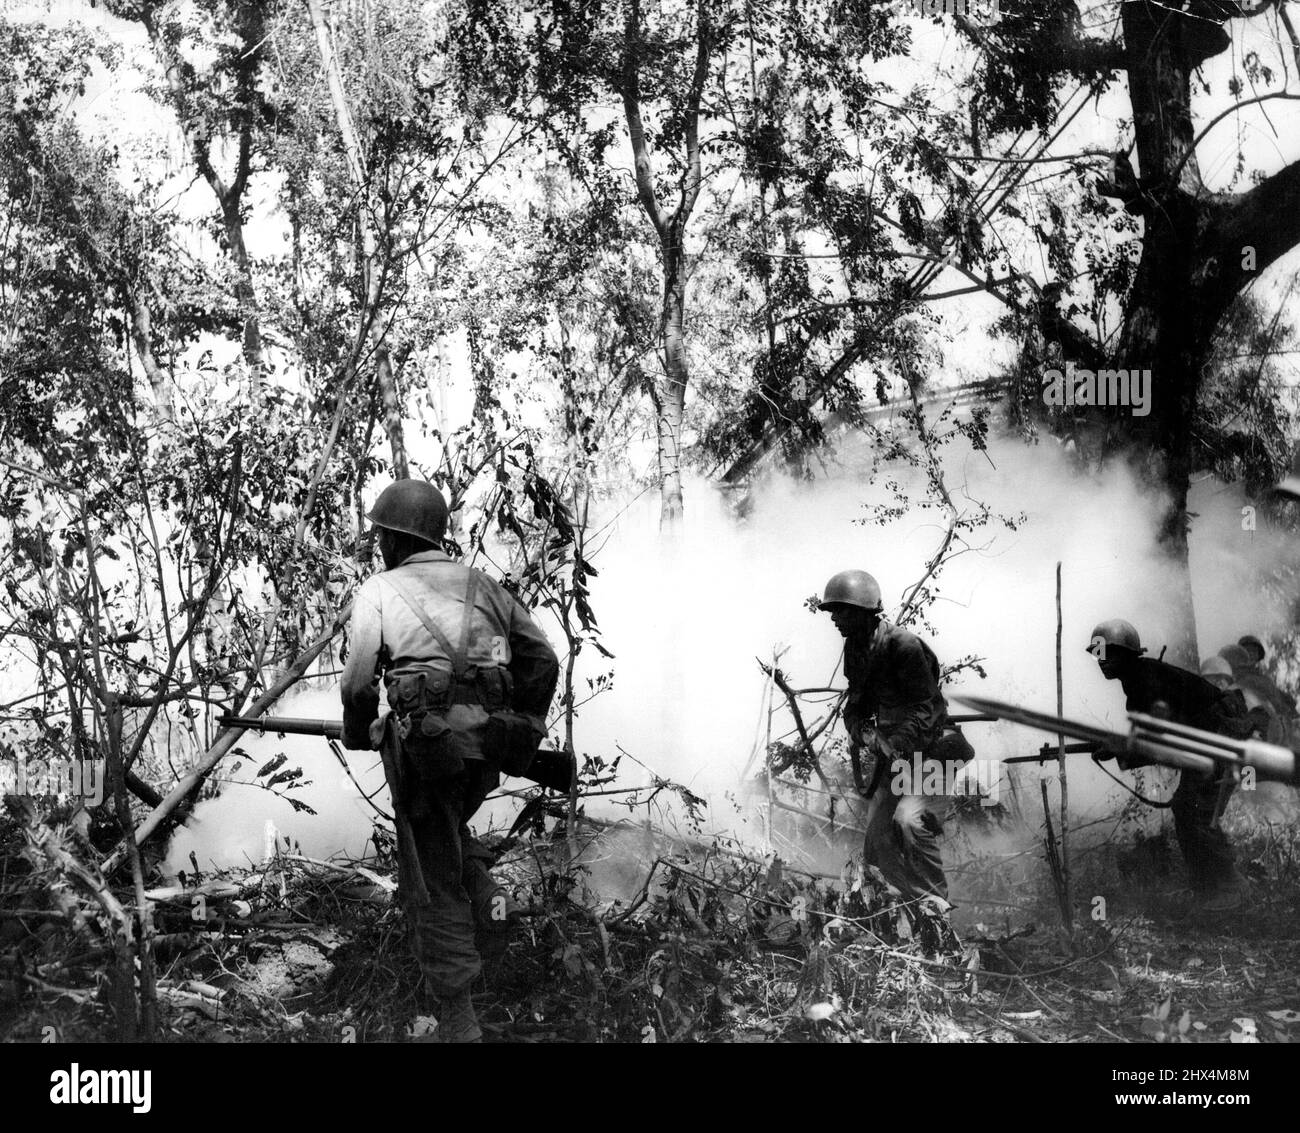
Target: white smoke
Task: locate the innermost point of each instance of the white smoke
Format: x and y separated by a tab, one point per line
231	829
689	619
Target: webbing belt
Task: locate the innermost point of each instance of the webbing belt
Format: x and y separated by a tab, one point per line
458	655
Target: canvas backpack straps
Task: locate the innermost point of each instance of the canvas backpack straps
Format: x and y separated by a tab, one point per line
467	623
458	655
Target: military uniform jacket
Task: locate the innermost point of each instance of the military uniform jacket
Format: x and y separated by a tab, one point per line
895	678
1191	699
388	638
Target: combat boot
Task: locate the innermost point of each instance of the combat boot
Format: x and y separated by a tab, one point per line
457	1020
932	927
1224	898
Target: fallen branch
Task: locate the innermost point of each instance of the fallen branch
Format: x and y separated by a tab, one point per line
227	740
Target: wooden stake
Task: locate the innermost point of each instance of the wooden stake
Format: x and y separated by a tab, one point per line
1067	906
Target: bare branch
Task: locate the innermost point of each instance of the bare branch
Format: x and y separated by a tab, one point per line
645	188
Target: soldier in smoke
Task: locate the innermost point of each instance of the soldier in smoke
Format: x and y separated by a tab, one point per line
894	709
1262	697
1160	689
1260	689
1260	716
469	679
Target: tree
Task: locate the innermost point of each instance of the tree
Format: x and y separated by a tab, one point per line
1199	248
218	106
731	112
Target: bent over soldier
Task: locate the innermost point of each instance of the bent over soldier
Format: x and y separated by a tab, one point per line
1160	689
469	679
893	710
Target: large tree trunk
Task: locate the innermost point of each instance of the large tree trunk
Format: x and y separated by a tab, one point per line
1158	333
1199	249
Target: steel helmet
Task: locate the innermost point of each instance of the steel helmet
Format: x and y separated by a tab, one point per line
1216	667
853	588
1117	634
1290	483
1236	656
1252	644
412	506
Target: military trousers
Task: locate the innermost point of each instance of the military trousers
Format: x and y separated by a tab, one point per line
905	820
1205	847
902	841
444	878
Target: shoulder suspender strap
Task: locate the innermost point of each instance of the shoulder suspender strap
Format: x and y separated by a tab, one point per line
458	655
467	618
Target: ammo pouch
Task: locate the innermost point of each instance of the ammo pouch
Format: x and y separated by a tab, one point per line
423	699
420	702
511	741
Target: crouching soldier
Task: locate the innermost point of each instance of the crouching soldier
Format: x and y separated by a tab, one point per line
893	710
1160	689
469	679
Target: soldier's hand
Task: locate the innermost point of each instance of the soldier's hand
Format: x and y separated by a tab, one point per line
873	741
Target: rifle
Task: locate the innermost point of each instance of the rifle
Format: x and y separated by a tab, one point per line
1159	741
553	769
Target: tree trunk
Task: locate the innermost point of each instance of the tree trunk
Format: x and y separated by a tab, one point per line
1199	249
670	394
198	137
244	292
1163	329
670	401
387	363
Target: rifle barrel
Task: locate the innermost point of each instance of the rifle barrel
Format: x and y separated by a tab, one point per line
1271	761
1165	728
286	725
1042	720
1161	741
1159	751
550	768
1183	743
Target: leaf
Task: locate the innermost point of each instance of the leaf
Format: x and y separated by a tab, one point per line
272	764
1243	1031
284	776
